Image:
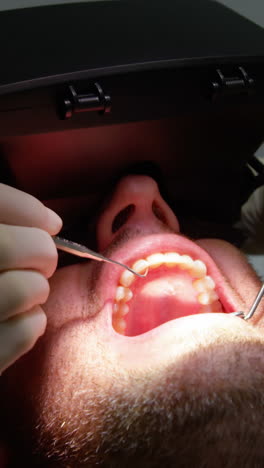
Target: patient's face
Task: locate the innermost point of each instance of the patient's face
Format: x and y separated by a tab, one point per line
149	371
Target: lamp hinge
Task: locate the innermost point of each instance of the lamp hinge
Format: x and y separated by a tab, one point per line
238	84
94	100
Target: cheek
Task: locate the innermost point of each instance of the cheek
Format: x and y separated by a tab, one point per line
58	390
78	374
71	297
238	273
65	299
75	355
52	377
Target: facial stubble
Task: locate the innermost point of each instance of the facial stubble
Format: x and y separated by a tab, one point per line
210	406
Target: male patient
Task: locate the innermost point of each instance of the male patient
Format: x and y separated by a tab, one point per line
120	371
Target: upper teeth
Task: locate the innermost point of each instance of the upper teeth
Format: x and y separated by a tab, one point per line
123	294
196	268
203	284
155	260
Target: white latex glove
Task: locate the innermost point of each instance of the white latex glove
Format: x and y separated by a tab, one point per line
252	215
252	222
28	257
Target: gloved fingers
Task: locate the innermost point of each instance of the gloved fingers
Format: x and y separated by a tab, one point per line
20	290
21	209
25	247
19	334
28	257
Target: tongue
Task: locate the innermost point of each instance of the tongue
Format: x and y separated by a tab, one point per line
159	298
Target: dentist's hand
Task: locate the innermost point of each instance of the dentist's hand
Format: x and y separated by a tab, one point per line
28	257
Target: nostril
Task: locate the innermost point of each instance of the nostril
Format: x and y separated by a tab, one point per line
158	212
122	217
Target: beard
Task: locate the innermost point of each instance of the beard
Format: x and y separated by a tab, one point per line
206	411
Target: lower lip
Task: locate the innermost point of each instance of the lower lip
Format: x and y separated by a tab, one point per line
176	338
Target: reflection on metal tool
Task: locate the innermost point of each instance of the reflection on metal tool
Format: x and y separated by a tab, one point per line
253	307
82	251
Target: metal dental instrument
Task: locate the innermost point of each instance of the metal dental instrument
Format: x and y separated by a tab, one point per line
253	307
82	251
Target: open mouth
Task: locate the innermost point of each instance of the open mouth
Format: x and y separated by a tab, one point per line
182	280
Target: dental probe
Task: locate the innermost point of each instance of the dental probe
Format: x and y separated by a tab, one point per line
253	307
82	251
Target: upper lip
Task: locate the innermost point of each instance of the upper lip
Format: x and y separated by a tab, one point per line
140	247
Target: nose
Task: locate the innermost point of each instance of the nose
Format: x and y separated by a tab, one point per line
137	204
